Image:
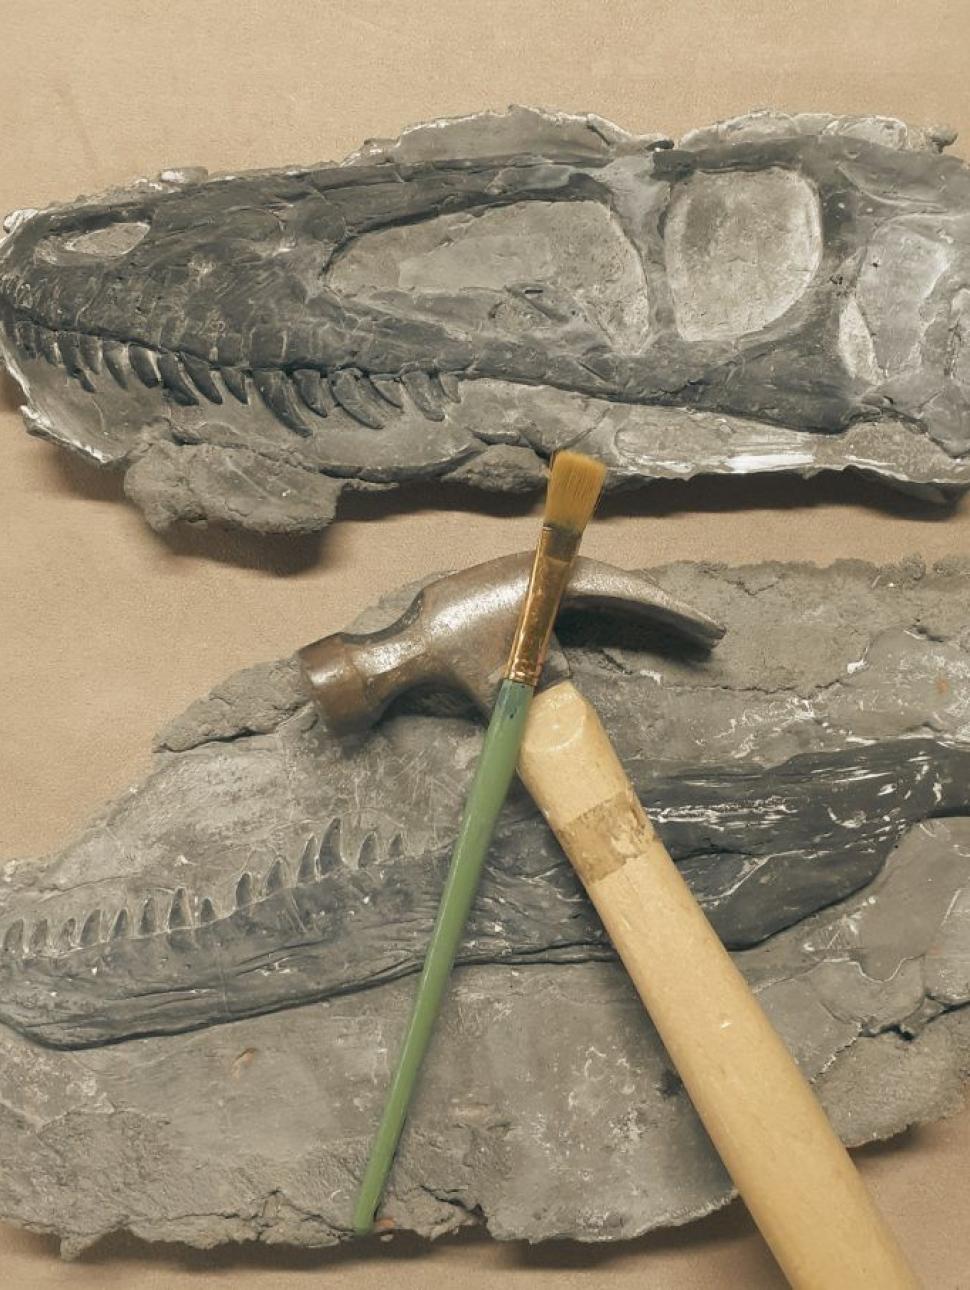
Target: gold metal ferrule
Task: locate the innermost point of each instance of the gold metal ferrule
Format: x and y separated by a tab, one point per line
554	557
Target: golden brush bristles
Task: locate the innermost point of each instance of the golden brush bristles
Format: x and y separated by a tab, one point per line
575	483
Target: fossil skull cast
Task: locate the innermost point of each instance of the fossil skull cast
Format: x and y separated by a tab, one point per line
775	293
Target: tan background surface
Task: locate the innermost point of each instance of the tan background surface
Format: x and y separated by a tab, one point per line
107	630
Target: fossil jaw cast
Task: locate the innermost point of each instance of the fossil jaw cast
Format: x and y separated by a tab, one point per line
775	293
201	996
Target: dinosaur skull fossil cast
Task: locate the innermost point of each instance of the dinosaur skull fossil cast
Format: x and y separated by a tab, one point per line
199	1013
776	293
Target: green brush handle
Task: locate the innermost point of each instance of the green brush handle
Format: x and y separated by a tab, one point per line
494	772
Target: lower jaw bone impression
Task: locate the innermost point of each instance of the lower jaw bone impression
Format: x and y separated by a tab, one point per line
201	997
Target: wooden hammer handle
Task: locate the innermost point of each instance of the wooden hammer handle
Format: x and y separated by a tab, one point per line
793	1173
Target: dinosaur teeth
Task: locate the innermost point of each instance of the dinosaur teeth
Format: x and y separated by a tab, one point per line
207	911
13	938
276	392
311	388
234	379
276	879
116	361
389	388
47	345
39	938
371	393
178	911
307	870
119	927
351	389
148	922
67	937
330	852
144	364
90	351
368	852
395	848
185	377
201	377
24	335
244	891
70	349
170	371
425	395
91	928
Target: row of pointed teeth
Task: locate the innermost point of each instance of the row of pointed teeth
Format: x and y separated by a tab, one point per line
289	395
319	857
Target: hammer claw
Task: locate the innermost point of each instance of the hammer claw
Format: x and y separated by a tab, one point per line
457	630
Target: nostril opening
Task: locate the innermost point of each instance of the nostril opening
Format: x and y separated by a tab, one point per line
105	243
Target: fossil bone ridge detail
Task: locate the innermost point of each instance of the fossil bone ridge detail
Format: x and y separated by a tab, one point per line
817	803
775	293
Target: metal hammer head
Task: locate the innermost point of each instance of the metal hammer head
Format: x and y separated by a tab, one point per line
457	632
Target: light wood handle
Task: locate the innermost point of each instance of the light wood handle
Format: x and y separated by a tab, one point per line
793	1173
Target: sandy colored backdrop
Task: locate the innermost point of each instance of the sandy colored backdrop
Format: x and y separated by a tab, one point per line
107	630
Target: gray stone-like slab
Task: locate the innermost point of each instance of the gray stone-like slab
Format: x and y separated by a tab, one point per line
775	293
214	1069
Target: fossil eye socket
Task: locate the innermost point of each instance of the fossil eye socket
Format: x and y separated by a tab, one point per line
105	243
741	248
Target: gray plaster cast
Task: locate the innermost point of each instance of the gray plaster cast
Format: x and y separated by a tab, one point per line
761	849
776	293
215	1072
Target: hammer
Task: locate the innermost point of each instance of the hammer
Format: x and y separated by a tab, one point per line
793	1173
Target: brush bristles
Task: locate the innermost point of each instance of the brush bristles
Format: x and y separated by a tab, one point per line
575	483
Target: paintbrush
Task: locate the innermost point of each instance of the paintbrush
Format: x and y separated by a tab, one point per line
574	487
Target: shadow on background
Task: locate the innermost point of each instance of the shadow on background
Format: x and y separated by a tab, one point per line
10	396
